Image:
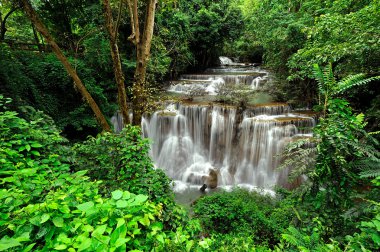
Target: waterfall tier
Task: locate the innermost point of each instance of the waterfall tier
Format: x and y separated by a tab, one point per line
210	82
244	147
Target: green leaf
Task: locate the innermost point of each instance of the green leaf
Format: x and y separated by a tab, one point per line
36	153
80	173
100	229
29	247
122	241
189	245
86	243
117	194
7	243
126	195
121	204
88	228
118	233
60	247
44	218
36	145
86	206
23	237
140	199
145	221
160	238
58	221
27	147
36	220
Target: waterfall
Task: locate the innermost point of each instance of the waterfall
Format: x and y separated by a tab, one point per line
242	146
192	139
225	61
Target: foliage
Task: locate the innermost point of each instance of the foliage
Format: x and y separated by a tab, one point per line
342	138
235	242
46	207
40	81
296	240
242	213
176	43
295	35
122	161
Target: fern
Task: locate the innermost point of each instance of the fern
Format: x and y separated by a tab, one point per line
352	81
319	76
293	237
371	173
299	157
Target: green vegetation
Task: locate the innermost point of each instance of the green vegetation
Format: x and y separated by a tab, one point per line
67	186
47	206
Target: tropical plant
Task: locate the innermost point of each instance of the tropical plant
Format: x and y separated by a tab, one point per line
242	213
48	207
329	87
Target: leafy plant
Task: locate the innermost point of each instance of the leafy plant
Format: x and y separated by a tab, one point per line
46	207
242	213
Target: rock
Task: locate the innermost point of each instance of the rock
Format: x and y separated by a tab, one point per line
211	181
203	188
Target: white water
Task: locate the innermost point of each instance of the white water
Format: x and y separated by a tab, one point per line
197	138
225	61
244	147
239	76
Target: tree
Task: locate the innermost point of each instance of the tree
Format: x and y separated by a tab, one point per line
142	39
70	70
112	29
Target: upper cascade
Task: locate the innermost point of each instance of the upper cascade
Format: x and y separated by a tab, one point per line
226	61
215	80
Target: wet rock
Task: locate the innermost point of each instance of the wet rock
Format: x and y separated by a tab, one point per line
203	188
212	179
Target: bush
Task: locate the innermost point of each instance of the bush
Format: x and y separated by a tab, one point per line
45	207
122	161
241	212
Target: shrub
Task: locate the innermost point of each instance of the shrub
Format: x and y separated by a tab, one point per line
45	207
122	161
240	212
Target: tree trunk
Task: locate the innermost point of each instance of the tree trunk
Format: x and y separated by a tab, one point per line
70	70
35	34
143	52
119	76
3	28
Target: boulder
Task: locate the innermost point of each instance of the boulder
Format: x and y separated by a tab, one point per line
211	181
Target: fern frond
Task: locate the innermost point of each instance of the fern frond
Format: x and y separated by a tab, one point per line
293	237
318	75
352	81
374	133
329	78
370	173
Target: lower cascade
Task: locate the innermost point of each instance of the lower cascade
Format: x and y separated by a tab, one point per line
190	142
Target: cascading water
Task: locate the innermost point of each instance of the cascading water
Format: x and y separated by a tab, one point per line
189	140
243	147
236	74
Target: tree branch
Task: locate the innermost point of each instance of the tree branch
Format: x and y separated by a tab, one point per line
61	57
118	18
